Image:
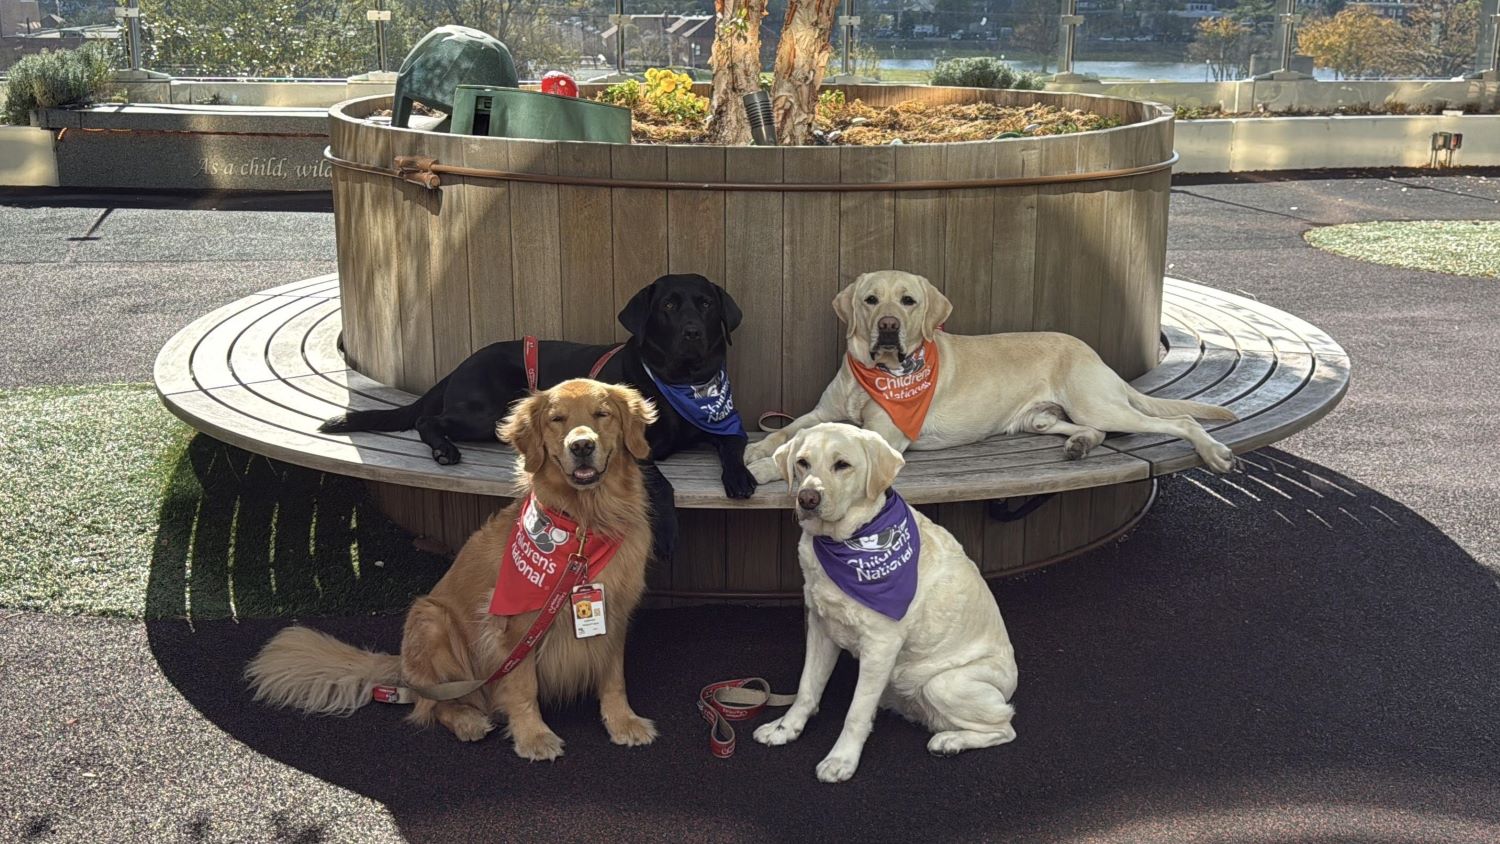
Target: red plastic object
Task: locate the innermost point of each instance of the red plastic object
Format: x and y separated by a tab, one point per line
557	82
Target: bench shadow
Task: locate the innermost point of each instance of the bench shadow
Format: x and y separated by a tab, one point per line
1282	654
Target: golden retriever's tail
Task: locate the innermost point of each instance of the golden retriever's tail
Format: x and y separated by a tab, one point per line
1177	407
317	673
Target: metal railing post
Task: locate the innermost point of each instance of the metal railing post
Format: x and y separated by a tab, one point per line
1068	22
849	21
1288	27
133	33
620	37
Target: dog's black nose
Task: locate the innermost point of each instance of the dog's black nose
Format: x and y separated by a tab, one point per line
809	499
581	448
888	323
692	332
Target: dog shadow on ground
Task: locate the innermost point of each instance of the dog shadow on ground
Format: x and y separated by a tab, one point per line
1279	654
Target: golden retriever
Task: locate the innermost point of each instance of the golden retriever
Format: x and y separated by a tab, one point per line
580	442
1038	382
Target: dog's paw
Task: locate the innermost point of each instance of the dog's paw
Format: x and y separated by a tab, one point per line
835	768
778	732
738	482
543	746
634	731
765	471
468	724
759	451
1219	458
1077	447
448	455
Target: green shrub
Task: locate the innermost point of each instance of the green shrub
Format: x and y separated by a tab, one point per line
56	78
983	72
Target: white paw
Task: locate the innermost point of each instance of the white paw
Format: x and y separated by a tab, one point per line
777	732
765	470
836	768
1219	458
758	451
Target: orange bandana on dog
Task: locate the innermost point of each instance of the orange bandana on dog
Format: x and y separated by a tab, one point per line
536	556
904	395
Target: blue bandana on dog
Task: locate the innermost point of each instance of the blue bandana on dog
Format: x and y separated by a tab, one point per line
877	566
709	406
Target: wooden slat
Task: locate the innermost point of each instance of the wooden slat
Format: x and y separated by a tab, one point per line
753	276
414	209
536	243
696	219
640	233
588	256
812	340
920	237
969	238
448	261
491	271
867	220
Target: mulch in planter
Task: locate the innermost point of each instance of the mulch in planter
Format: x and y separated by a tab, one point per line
913	122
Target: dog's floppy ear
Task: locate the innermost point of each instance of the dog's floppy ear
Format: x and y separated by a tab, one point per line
525	429
843	303
937	312
729	312
783	458
636	415
884	464
638	310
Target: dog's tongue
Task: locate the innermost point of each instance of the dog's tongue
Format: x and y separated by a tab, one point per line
585	473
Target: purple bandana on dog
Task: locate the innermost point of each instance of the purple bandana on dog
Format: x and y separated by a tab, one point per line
877	566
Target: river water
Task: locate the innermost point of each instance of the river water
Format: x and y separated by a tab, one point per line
1157	71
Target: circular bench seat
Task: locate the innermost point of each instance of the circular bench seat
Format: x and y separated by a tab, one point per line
263	372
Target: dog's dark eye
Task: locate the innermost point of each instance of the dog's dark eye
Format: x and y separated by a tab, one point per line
803	464
908	301
872	300
670	305
559	418
601	414
840	466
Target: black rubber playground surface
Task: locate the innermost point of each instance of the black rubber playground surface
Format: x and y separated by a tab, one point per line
1306	651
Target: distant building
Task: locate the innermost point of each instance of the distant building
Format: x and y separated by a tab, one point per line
659	40
1393	9
18	17
1198	11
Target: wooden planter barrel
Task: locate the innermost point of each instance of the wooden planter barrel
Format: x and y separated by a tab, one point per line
1064	233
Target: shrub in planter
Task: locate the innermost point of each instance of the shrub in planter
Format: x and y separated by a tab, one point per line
56	78
984	72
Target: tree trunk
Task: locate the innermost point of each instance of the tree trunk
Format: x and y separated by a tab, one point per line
736	63
801	59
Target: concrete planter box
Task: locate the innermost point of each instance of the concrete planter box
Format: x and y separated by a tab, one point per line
27	158
190	147
1252	144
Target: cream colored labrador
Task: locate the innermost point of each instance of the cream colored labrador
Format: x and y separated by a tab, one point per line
947	663
1033	382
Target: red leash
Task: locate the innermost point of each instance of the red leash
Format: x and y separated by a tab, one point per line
574	575
734	700
529	358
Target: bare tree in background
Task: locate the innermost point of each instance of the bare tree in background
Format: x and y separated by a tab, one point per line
736	64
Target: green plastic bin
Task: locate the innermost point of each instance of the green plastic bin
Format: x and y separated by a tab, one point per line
513	113
447	57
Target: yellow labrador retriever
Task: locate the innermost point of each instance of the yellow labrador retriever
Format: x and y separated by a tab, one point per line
886	584
922	388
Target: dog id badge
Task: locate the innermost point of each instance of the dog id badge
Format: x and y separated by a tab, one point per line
588	610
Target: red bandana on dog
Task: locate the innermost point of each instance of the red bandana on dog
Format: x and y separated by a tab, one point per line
904	395
536	555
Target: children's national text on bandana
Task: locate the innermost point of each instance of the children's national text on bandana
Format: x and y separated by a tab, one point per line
905	394
708	406
877	566
536	556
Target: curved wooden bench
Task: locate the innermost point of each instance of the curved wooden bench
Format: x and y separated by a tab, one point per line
263	372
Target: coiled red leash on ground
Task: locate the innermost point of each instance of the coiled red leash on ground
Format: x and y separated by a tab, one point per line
734	700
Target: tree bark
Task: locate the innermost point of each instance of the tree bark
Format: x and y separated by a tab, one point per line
736	63
801	58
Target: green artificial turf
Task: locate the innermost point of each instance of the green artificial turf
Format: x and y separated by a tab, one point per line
1457	247
110	506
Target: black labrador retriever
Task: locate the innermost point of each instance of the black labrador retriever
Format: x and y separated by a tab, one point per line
679	333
